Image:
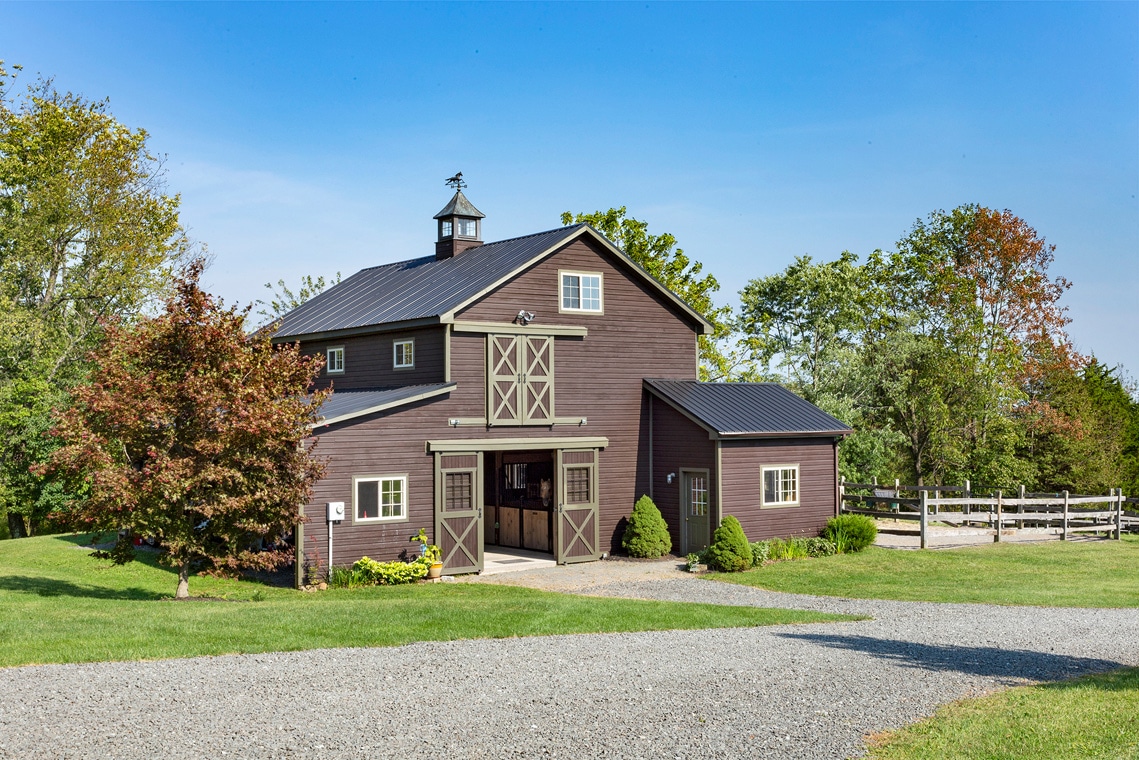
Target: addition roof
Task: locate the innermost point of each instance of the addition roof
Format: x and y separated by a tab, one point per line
429	290
746	410
346	405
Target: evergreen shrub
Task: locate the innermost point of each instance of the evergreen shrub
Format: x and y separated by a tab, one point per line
646	535
730	551
850	533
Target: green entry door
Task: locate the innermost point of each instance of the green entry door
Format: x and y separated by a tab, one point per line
458	511
576	532
695	502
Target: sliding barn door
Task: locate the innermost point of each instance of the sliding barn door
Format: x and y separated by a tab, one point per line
458	512
520	379
577	530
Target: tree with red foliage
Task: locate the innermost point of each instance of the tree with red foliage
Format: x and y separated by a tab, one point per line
193	431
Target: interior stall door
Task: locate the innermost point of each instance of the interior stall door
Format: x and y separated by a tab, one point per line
577	530
459	512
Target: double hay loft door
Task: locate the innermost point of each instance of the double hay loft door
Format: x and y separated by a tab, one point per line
520	382
458	511
576	536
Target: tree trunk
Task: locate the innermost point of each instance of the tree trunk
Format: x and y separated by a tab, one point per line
183	581
16	527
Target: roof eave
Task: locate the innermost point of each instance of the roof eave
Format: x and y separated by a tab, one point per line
348	332
784	434
385	406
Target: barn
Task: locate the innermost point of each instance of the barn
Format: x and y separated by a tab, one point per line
524	393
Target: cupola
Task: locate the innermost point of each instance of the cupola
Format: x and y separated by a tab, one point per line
460	223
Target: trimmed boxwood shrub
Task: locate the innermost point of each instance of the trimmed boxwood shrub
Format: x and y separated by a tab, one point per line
730	551
646	535
851	533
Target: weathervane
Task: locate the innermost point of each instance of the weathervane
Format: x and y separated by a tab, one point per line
456	181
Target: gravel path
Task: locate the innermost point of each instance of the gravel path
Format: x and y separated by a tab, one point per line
810	691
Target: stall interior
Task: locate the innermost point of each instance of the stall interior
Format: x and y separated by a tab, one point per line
519	500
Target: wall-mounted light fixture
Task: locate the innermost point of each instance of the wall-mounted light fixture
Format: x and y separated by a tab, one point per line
525	317
670	477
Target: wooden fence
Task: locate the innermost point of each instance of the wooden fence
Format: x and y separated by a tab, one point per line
1073	513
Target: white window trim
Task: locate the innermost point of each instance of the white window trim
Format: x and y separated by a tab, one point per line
395	353
763	503
328	360
600	291
379	495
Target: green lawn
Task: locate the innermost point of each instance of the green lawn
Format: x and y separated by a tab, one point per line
1092	717
1053	574
58	604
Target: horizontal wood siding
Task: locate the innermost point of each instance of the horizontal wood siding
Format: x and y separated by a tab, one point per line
743	488
368	360
678	443
598	377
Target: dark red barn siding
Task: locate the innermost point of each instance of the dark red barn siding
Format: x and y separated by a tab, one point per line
599	377
678	443
368	360
742	461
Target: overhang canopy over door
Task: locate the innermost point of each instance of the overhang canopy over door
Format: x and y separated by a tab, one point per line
576	535
459	511
520	379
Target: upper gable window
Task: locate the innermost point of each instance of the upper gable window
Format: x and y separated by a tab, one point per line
335	363
581	291
403	354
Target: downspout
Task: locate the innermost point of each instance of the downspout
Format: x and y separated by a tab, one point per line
651	479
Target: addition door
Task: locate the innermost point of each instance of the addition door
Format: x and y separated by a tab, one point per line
694	499
459	512
576	533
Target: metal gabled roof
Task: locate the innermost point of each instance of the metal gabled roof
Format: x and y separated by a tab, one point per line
345	405
746	410
419	289
460	206
430	290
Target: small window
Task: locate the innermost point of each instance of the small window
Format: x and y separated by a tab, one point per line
581	292
468	228
403	354
335	360
381	499
445	229
780	485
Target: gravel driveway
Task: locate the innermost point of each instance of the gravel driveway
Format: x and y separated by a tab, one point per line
807	691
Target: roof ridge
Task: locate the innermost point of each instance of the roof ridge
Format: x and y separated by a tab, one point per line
475	248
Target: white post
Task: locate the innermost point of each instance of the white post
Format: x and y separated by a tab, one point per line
968	495
841	493
922	497
328	569
1064	535
1119	514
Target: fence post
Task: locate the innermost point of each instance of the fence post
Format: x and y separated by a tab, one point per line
1020	509
1064	535
997	533
841	494
1119	515
967	507
924	524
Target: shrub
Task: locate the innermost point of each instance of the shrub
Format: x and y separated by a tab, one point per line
789	548
760	552
730	551
646	535
820	547
394	573
850	533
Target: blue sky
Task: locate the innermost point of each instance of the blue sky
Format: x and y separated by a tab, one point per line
315	138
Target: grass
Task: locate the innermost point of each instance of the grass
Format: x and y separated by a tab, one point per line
1054	574
1092	717
58	604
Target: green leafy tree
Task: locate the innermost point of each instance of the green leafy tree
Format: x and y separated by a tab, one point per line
646	535
191	431
669	265
87	232
284	299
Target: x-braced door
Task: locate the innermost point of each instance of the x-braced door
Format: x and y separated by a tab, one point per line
577	531
458	511
520	379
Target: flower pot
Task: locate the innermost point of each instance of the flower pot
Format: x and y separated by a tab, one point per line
435	570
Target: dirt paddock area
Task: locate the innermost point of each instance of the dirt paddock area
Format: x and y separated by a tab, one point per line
902	534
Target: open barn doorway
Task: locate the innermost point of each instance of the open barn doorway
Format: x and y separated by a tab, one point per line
519	491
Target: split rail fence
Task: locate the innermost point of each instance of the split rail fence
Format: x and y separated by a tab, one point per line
1072	513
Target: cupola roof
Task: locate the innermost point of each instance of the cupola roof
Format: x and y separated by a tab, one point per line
460	206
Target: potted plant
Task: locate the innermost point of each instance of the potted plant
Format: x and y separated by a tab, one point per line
429	553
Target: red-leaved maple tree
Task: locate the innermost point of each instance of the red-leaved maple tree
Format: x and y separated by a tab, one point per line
193	431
